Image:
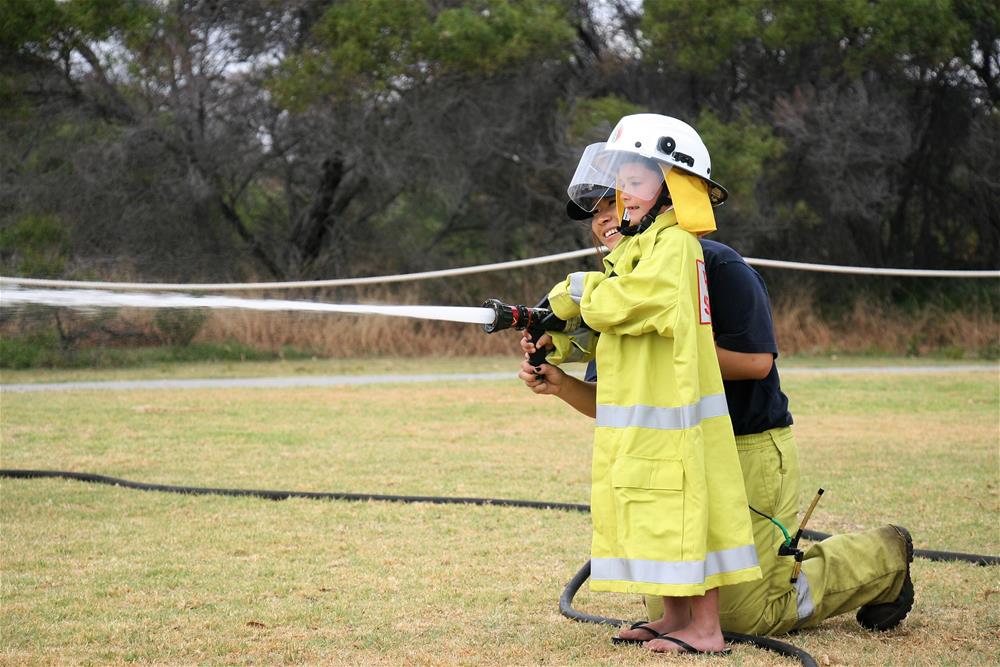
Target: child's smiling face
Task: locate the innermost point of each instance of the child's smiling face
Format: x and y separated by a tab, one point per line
604	224
639	187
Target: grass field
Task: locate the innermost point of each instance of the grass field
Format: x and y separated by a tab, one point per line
101	575
376	365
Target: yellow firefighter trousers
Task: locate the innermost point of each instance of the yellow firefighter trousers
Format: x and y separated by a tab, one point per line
838	575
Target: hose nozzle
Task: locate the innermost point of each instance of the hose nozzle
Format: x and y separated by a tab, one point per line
536	321
514	317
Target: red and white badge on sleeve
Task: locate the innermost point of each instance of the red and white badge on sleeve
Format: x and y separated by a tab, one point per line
704	306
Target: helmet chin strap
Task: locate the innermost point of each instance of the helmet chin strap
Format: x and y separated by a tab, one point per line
627	230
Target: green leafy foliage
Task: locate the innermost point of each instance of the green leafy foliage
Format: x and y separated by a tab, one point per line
368	47
27	24
32	351
823	36
593	118
741	151
699	35
35	246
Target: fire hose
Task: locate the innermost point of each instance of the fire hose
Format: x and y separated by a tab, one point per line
494	315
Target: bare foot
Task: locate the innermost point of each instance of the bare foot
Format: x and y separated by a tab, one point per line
711	642
649	630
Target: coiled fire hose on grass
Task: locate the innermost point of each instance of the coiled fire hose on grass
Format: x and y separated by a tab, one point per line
767	643
565	600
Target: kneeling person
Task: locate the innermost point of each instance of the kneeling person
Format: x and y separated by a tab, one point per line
868	570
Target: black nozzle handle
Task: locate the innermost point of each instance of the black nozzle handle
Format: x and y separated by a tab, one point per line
537	358
546	322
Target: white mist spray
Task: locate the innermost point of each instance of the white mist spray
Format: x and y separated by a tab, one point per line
14	297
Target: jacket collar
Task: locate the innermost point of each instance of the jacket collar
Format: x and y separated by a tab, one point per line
642	242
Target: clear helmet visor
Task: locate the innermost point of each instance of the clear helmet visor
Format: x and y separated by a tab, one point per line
601	172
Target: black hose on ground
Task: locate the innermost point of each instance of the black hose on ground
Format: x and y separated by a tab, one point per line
438	500
565	601
285	495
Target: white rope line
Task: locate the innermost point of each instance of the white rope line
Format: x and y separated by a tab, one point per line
338	282
870	270
482	268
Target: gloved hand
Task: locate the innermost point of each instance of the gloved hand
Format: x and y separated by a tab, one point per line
577	345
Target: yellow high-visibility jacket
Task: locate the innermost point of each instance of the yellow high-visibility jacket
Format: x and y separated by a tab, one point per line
669	508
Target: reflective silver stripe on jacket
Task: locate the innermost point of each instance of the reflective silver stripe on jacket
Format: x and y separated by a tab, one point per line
678	572
804	598
648	416
576	281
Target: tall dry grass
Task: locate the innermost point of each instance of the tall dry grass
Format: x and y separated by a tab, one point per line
869	327
872	325
349	336
375	335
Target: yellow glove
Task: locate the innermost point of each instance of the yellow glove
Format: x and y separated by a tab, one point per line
576	345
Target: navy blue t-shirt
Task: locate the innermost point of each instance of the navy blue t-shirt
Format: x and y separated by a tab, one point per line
741	322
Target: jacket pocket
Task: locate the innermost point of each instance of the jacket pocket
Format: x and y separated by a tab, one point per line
649	506
641	473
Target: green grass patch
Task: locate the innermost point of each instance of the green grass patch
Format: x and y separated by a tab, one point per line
287	367
101	575
862	360
44	352
293	365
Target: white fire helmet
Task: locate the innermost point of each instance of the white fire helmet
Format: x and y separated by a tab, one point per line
660	139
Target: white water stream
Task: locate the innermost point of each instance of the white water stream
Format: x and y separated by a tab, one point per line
13	297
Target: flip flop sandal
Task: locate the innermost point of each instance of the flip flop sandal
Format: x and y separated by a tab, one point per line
691	649
638	625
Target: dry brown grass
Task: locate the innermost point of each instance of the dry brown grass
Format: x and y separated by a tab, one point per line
871	326
347	336
353	336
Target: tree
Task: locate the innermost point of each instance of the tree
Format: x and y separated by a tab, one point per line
128	124
879	107
229	139
417	103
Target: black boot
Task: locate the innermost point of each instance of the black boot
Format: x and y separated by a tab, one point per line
882	617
